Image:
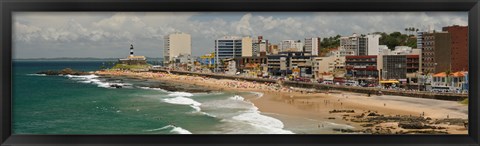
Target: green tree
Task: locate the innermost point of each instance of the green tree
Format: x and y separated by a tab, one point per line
448	72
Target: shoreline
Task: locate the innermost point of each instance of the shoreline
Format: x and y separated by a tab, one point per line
330	107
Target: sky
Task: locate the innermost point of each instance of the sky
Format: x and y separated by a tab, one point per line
109	34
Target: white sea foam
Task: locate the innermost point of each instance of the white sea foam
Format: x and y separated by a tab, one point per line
207	114
36	74
233	102
243	117
180	130
175	129
236	97
89	79
184	101
182	94
149	88
264	124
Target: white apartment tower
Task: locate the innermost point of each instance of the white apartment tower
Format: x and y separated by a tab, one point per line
291	45
176	44
373	44
312	46
361	44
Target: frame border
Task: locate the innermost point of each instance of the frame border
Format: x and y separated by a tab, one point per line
7	7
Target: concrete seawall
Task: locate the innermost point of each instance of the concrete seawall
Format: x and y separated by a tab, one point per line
417	94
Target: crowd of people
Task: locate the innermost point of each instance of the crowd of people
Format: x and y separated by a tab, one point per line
205	81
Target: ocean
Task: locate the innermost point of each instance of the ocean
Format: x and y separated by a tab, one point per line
71	104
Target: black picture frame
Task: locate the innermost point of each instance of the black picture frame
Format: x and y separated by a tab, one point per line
9	6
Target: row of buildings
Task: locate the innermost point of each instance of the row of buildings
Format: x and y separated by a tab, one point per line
360	59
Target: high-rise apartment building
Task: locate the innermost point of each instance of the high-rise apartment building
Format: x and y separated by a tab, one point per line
176	44
361	44
459	43
312	46
232	47
436	52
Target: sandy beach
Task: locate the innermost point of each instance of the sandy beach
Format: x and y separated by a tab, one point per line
383	114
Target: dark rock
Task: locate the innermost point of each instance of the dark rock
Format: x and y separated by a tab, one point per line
423	132
367	125
414	125
66	71
342	111
453	121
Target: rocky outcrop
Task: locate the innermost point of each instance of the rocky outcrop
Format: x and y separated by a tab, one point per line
342	111
66	71
414	125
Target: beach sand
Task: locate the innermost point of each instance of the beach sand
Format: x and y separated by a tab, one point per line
292	106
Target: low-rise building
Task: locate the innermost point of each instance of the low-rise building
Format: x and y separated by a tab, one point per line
362	68
284	62
184	62
251	65
453	82
330	65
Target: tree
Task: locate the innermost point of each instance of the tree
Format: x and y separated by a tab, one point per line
395	34
397	39
448	72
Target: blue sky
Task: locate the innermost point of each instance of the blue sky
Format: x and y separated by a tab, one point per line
109	34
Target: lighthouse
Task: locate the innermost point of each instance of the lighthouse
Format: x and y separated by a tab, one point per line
131	50
132	59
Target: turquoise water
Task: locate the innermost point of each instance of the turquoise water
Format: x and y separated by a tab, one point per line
86	105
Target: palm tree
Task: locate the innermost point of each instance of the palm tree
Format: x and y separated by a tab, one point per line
412	29
448	72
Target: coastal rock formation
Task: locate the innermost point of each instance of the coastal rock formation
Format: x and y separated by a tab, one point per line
414	125
373	123
66	71
342	111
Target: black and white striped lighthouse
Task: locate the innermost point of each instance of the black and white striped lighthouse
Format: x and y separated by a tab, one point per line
131	50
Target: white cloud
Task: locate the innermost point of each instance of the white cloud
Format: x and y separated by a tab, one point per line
243	26
107	31
24	32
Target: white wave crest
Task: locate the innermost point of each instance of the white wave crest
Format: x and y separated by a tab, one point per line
180	130
184	101
242	117
265	124
182	94
89	79
149	88
236	97
36	74
175	129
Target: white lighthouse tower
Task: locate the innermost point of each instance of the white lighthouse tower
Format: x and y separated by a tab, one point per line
131	50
